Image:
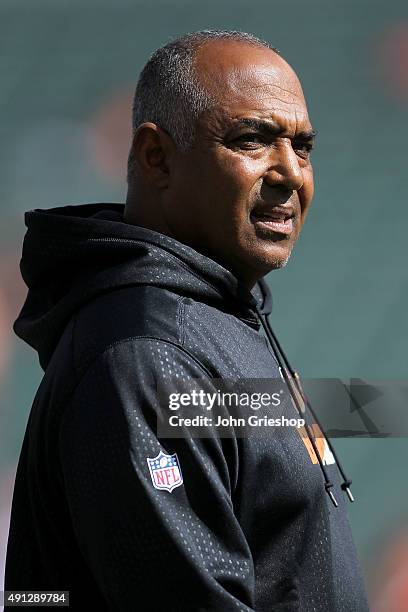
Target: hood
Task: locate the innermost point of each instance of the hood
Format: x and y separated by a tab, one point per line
72	254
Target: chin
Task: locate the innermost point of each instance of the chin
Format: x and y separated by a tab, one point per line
274	260
280	263
275	264
258	268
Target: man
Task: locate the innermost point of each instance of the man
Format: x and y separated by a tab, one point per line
123	298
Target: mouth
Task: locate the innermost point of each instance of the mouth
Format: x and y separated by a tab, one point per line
279	220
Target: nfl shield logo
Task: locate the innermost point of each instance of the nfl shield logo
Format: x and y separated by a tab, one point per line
165	471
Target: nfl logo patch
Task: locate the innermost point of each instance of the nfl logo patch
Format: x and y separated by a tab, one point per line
165	471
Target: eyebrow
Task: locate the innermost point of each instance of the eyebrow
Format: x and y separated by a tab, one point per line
270	128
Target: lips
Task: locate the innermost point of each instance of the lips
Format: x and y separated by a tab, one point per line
278	219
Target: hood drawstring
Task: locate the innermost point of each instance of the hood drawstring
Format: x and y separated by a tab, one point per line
301	401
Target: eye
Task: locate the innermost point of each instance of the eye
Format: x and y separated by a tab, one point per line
303	149
249	138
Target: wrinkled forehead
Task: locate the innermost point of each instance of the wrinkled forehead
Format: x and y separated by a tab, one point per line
245	79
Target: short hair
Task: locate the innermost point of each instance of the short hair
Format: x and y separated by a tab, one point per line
168	92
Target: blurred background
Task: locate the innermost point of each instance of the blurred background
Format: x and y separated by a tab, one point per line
68	70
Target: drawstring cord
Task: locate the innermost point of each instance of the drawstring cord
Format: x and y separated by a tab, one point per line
346	481
300	400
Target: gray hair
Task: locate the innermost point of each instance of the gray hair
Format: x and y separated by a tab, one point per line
168	92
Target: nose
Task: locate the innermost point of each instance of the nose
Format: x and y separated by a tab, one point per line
284	169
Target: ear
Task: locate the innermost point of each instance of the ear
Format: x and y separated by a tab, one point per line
152	152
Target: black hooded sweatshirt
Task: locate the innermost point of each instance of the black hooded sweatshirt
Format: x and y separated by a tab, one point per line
112	309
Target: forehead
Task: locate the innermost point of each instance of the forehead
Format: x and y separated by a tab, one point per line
245	80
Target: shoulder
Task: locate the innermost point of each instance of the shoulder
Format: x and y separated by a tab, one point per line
131	313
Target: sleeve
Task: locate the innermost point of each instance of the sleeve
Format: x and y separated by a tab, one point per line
181	549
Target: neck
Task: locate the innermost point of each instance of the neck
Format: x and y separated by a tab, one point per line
144	212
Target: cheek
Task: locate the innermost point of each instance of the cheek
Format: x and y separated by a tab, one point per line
240	177
306	192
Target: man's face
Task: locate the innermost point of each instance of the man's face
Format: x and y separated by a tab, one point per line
241	193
